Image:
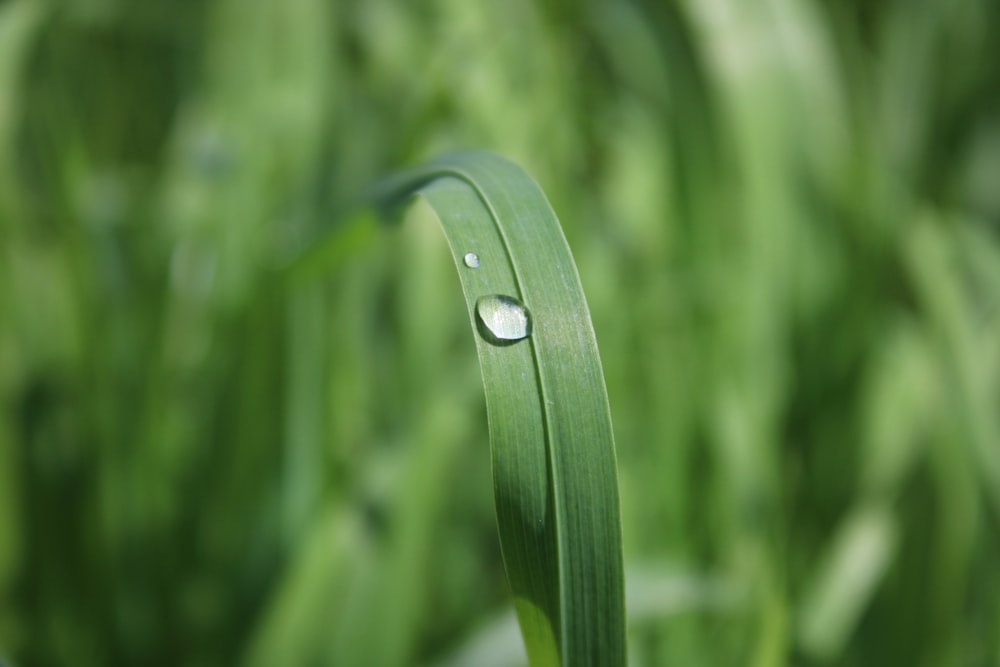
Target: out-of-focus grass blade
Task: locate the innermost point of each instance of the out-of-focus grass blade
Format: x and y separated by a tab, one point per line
19	22
555	477
861	553
19	25
348	240
970	369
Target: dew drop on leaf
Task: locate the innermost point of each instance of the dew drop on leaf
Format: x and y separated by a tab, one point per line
502	319
471	260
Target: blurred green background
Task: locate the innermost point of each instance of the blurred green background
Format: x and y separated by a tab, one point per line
786	216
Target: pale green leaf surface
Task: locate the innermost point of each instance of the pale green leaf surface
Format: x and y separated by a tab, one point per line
555	477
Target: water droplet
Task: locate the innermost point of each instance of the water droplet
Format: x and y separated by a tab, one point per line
472	260
502	319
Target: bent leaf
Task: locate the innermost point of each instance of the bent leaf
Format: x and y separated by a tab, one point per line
554	469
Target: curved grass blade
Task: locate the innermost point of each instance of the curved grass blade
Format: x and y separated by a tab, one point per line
554	469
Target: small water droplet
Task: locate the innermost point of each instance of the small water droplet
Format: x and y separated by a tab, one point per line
472	260
503	319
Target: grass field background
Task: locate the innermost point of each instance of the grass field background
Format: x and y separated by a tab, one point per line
786	217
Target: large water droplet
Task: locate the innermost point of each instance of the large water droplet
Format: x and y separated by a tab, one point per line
471	260
502	319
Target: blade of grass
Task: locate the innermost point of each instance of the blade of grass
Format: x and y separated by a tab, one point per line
555	476
862	551
19	25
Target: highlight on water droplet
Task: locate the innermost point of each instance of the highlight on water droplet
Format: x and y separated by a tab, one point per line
471	260
502	320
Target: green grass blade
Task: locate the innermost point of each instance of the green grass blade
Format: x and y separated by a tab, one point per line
555	477
20	23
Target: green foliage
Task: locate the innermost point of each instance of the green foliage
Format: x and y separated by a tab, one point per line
784	216
554	470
